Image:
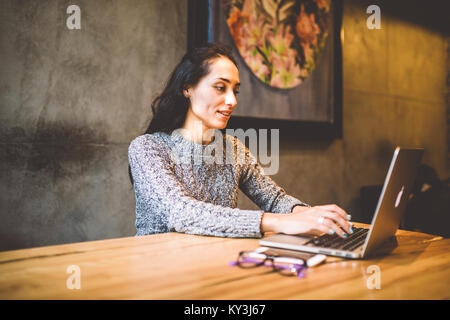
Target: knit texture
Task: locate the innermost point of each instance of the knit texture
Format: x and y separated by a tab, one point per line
192	188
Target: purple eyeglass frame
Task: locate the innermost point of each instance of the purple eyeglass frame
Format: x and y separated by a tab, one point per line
268	262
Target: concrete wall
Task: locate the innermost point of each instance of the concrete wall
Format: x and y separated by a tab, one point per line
72	100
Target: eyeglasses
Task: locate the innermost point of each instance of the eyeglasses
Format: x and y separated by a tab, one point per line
283	265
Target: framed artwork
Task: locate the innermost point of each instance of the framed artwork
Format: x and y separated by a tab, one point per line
289	57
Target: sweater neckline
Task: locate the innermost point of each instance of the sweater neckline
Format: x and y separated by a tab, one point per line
177	137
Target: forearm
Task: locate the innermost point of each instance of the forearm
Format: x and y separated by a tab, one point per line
265	193
196	217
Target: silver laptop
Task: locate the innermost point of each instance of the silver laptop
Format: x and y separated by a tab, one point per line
391	206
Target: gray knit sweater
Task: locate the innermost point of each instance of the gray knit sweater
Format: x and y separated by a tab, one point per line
187	187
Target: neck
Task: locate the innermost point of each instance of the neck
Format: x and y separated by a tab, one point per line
196	131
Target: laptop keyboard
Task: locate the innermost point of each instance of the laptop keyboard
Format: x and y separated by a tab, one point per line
336	242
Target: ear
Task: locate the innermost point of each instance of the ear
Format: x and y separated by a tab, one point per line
187	92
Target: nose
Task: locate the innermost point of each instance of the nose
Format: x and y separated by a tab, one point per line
230	99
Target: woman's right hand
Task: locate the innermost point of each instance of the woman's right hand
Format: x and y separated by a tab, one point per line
307	220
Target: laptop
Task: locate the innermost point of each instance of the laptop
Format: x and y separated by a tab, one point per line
388	214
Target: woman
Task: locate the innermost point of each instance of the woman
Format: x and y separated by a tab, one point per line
176	192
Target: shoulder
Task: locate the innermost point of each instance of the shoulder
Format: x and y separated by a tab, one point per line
155	141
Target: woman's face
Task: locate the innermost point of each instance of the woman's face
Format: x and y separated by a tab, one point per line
214	97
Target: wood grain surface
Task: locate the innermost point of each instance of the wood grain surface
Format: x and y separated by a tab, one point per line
180	266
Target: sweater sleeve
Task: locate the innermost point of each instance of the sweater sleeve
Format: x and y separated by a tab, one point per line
261	189
157	187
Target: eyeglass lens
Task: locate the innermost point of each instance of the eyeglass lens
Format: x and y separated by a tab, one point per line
285	266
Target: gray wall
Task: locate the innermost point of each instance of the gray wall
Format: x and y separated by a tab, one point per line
72	100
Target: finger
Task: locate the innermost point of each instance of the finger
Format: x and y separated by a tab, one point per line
336	229
337	209
336	218
321	227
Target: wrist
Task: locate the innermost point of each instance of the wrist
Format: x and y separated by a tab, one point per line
299	208
270	222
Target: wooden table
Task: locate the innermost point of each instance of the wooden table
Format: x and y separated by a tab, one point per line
180	266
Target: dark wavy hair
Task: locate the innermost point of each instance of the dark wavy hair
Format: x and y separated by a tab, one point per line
171	106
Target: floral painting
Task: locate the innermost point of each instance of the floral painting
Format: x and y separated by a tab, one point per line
279	40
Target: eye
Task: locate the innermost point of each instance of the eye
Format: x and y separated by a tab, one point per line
220	88
236	92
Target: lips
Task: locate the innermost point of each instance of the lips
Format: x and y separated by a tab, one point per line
225	113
